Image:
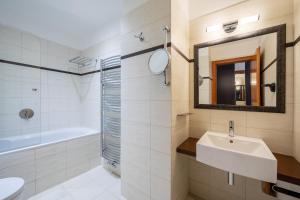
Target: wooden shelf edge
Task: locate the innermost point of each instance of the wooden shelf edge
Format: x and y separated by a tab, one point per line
288	168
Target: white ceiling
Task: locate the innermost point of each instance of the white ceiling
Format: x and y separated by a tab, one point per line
82	23
75	23
203	7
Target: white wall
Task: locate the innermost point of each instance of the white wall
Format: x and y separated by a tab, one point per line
90	84
61	100
179	96
297	81
146	107
275	129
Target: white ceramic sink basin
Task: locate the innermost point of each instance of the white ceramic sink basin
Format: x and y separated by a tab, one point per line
244	156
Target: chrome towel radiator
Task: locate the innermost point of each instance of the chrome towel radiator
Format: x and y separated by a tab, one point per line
111	111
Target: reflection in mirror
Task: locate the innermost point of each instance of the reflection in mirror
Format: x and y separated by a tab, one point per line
241	73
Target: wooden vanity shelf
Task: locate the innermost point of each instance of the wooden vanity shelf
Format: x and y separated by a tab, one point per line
288	168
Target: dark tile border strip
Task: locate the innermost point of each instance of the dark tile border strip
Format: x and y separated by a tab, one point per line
115	67
37	67
267	67
292	44
91	72
55	70
144	51
99	70
297	40
155	48
182	54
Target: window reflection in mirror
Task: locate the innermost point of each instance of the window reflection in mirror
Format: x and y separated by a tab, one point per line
240	73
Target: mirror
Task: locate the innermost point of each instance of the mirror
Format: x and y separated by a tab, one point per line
245	72
159	61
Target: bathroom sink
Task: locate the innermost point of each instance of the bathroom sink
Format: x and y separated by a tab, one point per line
244	156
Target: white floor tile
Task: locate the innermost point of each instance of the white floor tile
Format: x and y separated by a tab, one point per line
96	184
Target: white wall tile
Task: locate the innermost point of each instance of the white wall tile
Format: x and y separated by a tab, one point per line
161	139
31	42
10	52
161	113
10	36
160	188
50	180
50	164
161	165
31	57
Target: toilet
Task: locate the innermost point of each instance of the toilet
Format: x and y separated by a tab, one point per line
11	188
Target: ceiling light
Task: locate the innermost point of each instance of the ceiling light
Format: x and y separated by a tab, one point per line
214	28
249	19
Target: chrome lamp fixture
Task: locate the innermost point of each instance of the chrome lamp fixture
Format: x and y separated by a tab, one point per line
230	27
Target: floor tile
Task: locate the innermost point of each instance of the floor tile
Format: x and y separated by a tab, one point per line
96	184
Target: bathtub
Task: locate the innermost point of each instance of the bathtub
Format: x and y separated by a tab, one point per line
28	141
52	157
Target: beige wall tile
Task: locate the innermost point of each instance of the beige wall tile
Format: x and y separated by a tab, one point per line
199	172
296	81
275	129
238	130
199	189
198	128
219	180
253	191
272	121
223	117
278	141
202	115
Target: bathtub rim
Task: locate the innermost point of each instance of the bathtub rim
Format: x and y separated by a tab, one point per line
48	144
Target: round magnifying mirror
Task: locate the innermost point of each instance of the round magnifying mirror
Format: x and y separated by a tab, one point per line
159	61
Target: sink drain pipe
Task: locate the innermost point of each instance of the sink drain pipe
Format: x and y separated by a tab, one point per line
230	178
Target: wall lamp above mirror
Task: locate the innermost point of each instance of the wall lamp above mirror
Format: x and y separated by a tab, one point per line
244	72
231	26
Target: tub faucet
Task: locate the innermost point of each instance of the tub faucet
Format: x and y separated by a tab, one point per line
231	128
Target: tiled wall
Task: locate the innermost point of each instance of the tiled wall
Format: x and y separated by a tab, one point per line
146	107
16	85
61	100
297	81
180	96
55	102
275	129
44	167
90	84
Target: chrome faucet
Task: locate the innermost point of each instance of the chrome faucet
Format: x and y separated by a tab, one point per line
231	128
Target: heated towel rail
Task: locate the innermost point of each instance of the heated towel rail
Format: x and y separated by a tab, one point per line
111	110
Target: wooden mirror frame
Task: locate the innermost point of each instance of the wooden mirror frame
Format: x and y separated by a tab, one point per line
280	71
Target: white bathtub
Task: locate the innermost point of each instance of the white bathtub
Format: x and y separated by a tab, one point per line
18	143
47	159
